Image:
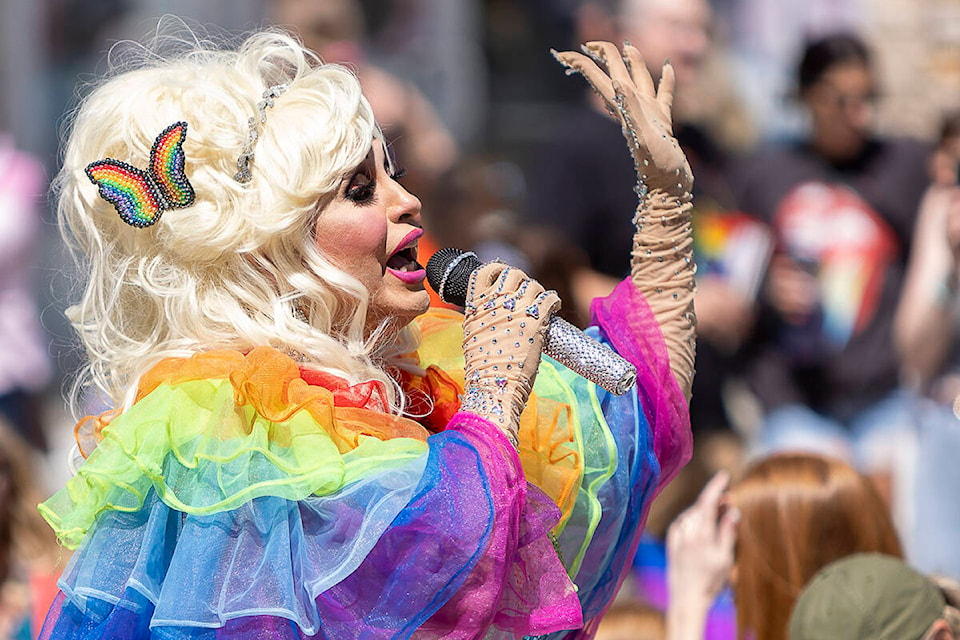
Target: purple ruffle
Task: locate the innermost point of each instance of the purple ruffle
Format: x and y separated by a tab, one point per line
468	551
630	326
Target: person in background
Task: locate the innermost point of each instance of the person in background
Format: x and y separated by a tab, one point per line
573	185
24	363
700	554
842	202
335	30
785	518
926	321
871	596
945	164
29	556
925	333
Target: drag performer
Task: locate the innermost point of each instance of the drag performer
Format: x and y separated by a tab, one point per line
299	448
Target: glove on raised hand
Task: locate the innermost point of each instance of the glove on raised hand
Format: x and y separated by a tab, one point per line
662	259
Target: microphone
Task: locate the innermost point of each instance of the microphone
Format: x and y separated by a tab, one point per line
449	271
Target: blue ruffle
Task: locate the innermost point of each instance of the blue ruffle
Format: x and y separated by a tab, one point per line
623	496
342	563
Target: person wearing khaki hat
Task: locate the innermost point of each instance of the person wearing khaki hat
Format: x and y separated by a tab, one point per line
871	596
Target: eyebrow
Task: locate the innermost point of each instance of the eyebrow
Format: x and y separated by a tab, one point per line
368	160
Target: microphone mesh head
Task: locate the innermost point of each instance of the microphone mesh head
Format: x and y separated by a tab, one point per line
449	269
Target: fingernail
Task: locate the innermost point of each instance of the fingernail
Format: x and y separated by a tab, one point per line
734	514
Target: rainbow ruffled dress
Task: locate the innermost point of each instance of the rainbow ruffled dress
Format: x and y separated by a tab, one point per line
241	497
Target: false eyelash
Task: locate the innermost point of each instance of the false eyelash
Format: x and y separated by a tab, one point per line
361	194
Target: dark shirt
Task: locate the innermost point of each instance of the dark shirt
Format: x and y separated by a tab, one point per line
850	224
581	186
582	183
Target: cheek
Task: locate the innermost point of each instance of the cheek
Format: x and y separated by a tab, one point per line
826	117
353	243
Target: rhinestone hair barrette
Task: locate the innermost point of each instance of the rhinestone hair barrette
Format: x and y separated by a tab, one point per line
243	174
141	196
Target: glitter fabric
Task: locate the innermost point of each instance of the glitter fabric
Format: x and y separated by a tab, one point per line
141	197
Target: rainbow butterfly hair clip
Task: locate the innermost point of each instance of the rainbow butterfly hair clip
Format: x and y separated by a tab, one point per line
141	197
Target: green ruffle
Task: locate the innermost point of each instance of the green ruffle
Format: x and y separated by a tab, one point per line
596	446
204	454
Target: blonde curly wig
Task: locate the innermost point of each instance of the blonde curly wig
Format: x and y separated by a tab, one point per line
238	267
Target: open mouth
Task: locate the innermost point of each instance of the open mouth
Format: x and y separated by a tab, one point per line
403	263
404	260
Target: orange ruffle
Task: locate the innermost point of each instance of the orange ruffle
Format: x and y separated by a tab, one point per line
276	388
272	384
549	452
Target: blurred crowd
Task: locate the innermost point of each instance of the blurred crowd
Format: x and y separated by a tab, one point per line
824	138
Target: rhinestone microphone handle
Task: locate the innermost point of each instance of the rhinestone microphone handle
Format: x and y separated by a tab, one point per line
449	274
583	355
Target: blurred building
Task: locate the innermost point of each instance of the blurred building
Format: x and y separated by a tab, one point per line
916	45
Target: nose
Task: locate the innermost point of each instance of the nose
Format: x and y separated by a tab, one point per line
694	40
859	113
404	206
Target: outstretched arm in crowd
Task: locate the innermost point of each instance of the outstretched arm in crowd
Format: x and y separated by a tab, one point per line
924	328
700	545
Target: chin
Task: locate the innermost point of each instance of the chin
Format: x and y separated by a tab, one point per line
400	309
418	306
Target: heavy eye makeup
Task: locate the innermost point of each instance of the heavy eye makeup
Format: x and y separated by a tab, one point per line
361	185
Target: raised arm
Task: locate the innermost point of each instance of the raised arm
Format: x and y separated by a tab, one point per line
662	259
924	327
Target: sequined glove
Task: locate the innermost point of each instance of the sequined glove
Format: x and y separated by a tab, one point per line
505	319
662	258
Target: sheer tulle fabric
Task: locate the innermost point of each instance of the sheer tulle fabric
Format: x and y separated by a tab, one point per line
371	562
627	324
632	330
243	498
205	448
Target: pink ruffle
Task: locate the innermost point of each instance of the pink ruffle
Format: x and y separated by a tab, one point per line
631	327
519	585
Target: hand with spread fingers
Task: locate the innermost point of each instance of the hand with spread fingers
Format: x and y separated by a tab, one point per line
644	112
700	555
505	319
662	265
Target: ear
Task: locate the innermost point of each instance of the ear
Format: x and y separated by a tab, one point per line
939	630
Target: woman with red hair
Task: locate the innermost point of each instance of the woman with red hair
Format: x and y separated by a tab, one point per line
783	520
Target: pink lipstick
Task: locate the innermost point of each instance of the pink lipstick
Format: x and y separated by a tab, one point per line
403	261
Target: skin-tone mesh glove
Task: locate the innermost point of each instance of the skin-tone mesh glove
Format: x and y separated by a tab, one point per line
662	260
505	319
